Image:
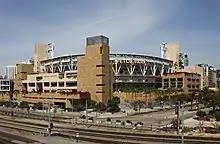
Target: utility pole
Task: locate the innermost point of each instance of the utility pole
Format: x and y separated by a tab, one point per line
49	120
11	98
178	116
72	104
86	112
182	119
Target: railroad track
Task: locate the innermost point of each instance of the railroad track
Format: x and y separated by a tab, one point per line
8	138
63	120
104	136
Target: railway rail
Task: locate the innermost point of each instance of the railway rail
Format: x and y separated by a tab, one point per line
8	138
104	136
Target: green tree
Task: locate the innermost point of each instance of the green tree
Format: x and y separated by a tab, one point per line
91	103
211	99
100	107
38	105
139	105
24	105
2	94
201	113
16	92
217	115
7	104
116	100
113	104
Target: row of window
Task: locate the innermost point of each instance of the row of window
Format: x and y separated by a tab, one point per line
5	82
180	79
100	75
193	80
193	86
55	84
5	88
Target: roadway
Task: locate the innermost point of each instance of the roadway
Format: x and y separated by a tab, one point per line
160	118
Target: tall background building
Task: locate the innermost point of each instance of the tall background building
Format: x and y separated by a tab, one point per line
218	77
11	71
210	72
183	60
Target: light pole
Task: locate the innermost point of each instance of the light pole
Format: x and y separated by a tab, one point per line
182	119
178	117
11	98
49	120
86	112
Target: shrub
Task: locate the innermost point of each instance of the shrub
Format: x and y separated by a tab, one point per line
217	116
2	103
188	129
201	113
211	112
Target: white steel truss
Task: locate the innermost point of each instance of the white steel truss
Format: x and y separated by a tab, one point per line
122	65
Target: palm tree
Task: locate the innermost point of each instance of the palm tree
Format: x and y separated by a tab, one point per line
146	92
16	92
2	93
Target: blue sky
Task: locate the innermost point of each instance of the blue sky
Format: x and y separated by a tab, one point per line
133	26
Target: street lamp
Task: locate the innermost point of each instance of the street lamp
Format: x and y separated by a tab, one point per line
182	119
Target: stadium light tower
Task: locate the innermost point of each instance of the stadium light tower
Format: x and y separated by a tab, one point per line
50	50
163	48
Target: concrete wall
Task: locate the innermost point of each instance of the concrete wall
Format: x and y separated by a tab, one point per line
135	96
47	97
93	72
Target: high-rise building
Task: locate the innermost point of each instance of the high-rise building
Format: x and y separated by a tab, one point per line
218	77
94	71
11	71
210	72
183	60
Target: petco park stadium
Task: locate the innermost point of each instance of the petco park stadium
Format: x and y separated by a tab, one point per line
130	70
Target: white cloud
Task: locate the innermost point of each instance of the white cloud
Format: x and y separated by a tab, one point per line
121	20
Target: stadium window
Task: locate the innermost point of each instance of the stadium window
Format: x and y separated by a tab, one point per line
101	50
100	65
100	75
100	84
100	92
